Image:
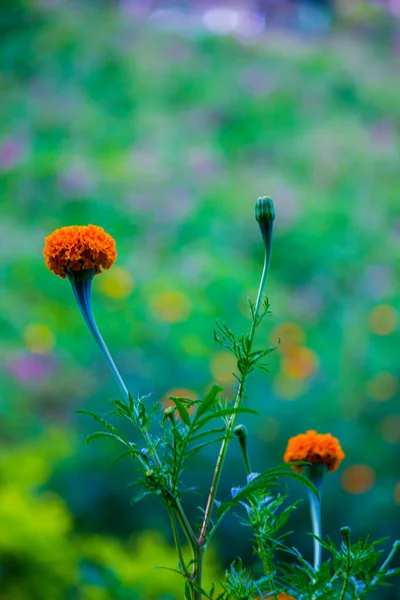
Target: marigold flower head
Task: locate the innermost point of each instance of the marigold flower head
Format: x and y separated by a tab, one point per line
79	248
316	448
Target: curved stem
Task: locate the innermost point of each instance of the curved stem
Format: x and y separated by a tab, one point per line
81	283
231	423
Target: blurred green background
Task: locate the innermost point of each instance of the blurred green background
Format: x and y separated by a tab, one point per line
163	123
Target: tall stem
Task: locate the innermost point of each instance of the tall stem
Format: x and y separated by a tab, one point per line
231	423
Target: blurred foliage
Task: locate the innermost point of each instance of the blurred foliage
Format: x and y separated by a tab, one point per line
165	138
42	557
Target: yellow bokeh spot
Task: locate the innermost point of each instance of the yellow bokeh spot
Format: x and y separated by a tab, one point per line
116	283
193	345
171	306
383	319
223	365
389	428
299	363
397	493
290	334
382	386
38	338
358	479
268	429
288	388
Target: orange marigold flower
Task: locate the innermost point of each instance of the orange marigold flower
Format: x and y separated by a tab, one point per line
79	248
316	448
283	596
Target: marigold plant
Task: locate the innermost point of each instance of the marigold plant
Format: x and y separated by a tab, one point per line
167	436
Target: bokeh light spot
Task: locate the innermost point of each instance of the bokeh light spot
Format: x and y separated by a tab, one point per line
116	283
290	334
382	386
38	338
383	319
389	428
397	493
358	479
288	388
179	393
171	306
299	363
222	366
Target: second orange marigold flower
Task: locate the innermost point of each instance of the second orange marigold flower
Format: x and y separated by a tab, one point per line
316	448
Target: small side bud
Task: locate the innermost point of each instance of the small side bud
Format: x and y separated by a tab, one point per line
169	413
149	473
240	432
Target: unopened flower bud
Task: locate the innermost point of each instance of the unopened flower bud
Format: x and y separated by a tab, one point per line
346	532
265	216
240	432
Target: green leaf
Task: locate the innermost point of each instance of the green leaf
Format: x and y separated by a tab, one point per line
225	412
106	424
263	482
199	447
183	413
102	434
121	456
209	401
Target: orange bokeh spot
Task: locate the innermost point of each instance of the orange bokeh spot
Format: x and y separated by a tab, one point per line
383	319
397	493
299	363
179	393
290	334
390	428
382	386
358	479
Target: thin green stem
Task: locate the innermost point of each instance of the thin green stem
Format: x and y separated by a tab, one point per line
177	540
345	584
231	422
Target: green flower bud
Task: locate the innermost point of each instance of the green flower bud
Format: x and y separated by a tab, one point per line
240	431
346	532
265	216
